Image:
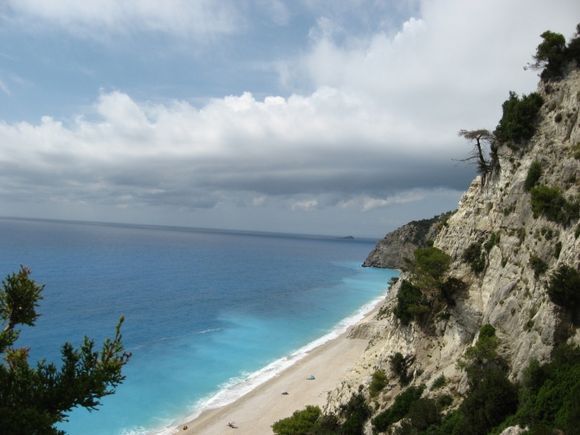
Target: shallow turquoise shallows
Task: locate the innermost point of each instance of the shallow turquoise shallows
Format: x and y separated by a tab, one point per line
209	315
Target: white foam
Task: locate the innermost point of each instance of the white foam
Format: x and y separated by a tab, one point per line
237	387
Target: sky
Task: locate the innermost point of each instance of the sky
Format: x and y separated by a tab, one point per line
335	117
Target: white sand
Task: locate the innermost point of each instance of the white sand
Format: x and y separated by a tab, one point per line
254	413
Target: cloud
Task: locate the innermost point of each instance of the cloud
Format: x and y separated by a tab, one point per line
367	203
125	151
372	123
448	67
100	18
305	205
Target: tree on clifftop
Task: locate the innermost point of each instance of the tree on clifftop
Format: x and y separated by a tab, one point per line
480	138
33	398
553	55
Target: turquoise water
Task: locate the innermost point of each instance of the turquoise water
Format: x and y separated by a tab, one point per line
209	315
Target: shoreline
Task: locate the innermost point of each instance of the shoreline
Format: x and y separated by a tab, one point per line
255	411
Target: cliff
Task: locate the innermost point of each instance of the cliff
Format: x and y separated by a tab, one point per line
518	247
399	245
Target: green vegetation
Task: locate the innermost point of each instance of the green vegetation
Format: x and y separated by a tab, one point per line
491	396
421	299
518	122
398	410
564	288
430	265
422	414
378	382
399	367
35	398
484	350
534	174
549	394
411	304
301	422
475	258
576	151
450	289
545	401
354	416
549	202
552	55
439	383
557	249
310	421
538	265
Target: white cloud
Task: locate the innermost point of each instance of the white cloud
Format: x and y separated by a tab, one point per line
367	203
378	128
449	67
304	205
90	18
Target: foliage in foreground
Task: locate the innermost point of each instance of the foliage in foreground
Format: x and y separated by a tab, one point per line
350	420
34	398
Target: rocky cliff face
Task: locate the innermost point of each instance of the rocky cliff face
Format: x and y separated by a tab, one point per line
507	293
400	244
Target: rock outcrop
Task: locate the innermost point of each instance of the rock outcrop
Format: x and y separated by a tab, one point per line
507	293
399	245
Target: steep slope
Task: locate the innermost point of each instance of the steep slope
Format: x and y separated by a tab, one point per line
400	244
498	223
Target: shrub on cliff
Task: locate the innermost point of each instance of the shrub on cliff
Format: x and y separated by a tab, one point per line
474	257
564	288
551	203
399	367
378	382
538	265
450	289
354	415
519	119
301	422
549	393
490	400
534	174
411	304
398	410
430	265
553	55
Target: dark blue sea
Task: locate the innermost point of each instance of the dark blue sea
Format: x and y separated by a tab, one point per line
209	314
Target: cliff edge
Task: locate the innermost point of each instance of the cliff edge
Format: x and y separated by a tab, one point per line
508	239
398	245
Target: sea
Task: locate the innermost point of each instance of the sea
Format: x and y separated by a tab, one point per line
209	314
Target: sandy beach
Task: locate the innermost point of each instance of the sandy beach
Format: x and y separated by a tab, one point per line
254	413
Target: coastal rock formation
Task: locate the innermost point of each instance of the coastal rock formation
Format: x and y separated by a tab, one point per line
400	244
518	249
